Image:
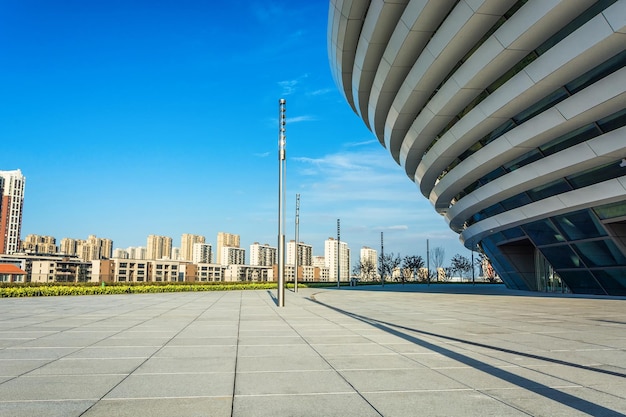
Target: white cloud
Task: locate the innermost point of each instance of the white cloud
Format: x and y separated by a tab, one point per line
371	194
288	86
298	119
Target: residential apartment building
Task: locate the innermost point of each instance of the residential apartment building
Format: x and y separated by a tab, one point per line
262	254
186	245
233	256
337	259
202	253
223	240
164	270
68	246
94	248
136	252
120	254
369	263
159	247
305	253
248	273
131	270
204	272
39	244
11	206
59	270
318	261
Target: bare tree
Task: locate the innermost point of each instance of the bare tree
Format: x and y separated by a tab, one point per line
460	264
413	264
387	263
437	256
366	270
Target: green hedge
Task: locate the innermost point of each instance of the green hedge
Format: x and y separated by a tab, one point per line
25	290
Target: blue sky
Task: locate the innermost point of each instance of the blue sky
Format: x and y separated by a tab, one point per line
131	118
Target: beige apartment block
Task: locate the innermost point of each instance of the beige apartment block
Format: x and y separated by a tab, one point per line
224	240
59	270
159	247
163	270
68	246
103	270
131	270
248	273
39	244
204	272
186	245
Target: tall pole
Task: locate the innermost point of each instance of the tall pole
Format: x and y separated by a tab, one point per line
427	263
282	141
473	272
382	260
295	281
338	252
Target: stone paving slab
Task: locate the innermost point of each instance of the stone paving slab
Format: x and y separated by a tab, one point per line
441	350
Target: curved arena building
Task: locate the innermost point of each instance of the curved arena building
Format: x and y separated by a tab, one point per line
510	117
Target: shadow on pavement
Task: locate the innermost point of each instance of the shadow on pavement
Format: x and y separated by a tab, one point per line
528	384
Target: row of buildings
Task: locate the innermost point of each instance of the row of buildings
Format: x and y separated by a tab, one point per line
40	259
61	267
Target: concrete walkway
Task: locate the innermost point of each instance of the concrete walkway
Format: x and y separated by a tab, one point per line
393	351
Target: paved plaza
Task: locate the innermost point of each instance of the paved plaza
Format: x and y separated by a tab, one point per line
366	351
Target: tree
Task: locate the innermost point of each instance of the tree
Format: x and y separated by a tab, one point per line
437	256
366	270
413	264
460	264
387	263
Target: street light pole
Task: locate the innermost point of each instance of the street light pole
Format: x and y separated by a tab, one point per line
282	121
297	253
338	251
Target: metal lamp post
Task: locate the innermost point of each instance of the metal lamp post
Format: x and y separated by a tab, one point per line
282	121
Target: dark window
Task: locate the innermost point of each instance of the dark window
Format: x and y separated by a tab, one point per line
579	225
562	257
599	253
543	232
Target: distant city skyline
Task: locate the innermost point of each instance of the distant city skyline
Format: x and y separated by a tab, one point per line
131	119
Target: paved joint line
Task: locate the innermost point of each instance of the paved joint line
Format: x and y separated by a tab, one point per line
158	350
232	400
356	391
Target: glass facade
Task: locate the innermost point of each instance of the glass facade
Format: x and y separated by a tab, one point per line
579	252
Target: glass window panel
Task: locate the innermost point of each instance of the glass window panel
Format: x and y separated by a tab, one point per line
525	159
501	130
561	257
596	175
611	211
600	253
548	190
574	24
542	105
581	282
613	280
543	232
579	225
506	271
614	121
570	139
607	67
516	201
496	173
513	233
